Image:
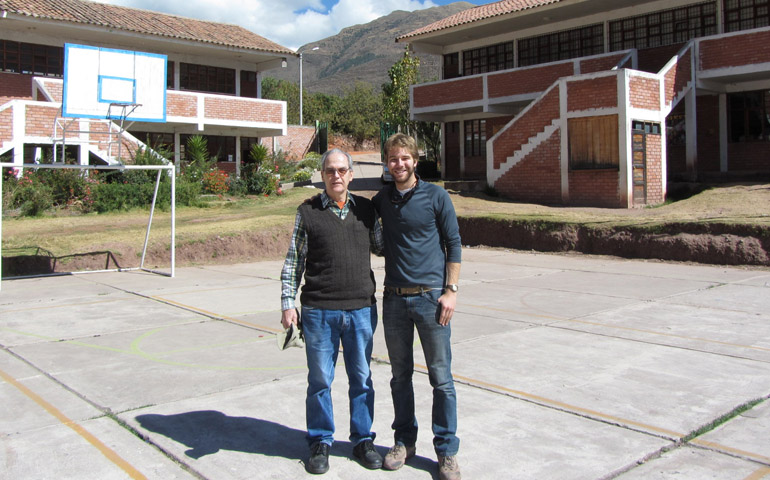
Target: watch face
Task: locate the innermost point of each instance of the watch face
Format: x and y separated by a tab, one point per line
452	287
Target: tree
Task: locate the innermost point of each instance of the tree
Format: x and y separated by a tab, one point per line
273	89
360	111
395	103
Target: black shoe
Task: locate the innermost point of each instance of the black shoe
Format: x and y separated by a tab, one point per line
367	455
319	458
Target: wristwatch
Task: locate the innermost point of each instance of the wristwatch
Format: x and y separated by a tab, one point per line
453	287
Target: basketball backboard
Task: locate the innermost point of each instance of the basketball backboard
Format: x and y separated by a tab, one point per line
99	82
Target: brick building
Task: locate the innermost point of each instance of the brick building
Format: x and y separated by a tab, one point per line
213	78
599	102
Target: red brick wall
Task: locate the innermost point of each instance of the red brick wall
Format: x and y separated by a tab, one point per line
749	157
532	122
597	188
600	64
735	50
645	93
654	170
54	88
537	177
242	110
677	77
599	92
455	91
528	80
295	143
181	105
6	125
40	120
13	85
653	59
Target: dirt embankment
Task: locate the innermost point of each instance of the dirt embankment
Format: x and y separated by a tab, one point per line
706	243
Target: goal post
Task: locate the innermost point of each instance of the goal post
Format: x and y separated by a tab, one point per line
170	169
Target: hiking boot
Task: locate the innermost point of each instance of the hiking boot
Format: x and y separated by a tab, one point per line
448	468
319	458
367	455
397	456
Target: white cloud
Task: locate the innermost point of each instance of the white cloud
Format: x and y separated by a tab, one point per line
291	23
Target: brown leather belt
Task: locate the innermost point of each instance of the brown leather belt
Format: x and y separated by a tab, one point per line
409	290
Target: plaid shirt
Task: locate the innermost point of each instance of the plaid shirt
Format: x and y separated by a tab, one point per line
294	265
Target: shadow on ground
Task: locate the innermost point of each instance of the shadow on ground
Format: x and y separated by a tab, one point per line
26	261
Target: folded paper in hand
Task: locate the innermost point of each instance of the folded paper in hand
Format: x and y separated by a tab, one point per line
291	337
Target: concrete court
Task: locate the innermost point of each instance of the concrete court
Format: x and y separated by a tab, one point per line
567	367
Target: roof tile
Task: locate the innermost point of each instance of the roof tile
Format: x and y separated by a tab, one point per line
143	21
475	14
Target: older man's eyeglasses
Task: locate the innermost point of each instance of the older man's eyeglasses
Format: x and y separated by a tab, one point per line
341	171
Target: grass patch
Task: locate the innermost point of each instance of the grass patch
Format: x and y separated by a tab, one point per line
723	419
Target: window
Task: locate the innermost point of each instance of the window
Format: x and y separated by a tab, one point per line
204	78
652	128
31	59
746	14
488	59
593	142
664	28
564	45
475	138
248	84
451	65
749	116
170	75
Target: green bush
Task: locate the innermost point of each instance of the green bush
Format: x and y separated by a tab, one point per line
188	194
312	161
197	161
33	200
302	176
236	186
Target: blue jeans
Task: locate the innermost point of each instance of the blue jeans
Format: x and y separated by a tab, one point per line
324	330
400	315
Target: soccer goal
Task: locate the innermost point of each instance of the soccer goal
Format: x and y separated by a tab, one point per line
168	169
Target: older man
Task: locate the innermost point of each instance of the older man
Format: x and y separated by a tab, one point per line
334	233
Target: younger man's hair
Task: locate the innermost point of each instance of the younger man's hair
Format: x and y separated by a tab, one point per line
400	140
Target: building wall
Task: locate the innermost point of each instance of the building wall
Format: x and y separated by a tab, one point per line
708	134
529	124
645	93
732	51
13	85
655	190
295	144
596	188
458	90
526	80
600	64
537	177
6	126
592	93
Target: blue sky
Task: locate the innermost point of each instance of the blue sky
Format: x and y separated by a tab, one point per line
291	23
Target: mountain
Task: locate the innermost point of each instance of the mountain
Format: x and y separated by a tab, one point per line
364	52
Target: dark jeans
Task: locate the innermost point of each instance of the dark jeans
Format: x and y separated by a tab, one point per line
401	314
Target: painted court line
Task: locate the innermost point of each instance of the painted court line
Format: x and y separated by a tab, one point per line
620	327
82	432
